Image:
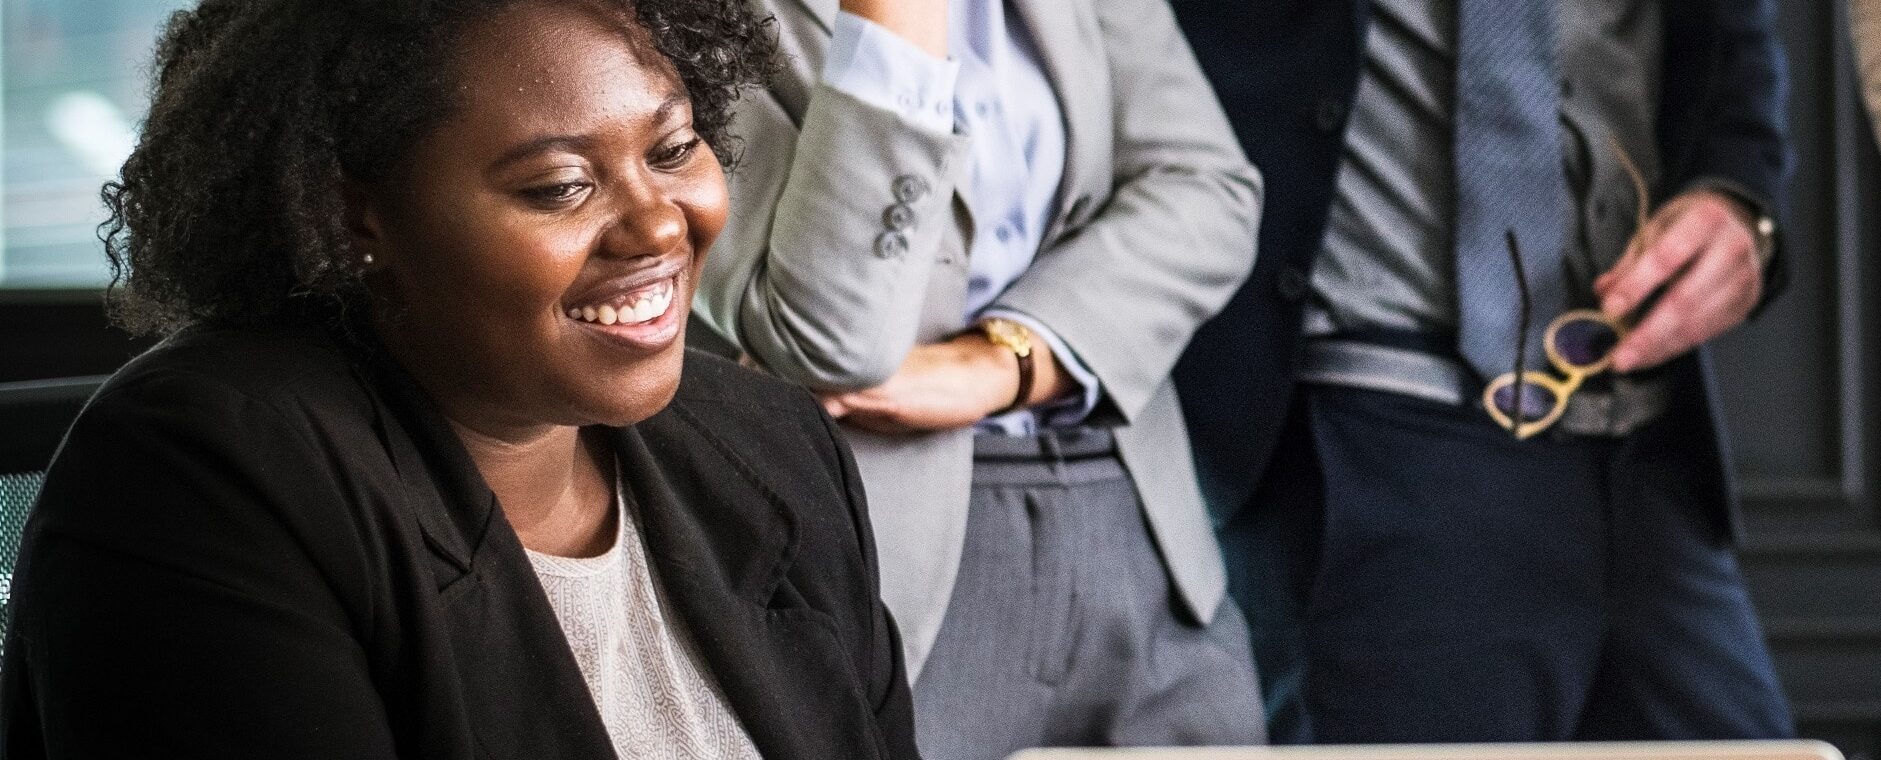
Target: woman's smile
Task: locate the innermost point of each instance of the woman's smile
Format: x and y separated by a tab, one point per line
632	312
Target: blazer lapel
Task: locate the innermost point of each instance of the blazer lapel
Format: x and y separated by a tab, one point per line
722	542
1068	46
446	492
522	690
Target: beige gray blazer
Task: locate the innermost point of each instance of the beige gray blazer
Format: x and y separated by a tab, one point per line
1864	21
1153	231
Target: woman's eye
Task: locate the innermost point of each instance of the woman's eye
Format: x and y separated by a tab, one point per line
675	156
556	194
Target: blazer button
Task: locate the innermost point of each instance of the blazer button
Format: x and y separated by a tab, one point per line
1291	284
909	188
898	217
1330	115
891	245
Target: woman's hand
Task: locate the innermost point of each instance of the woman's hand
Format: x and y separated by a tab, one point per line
922	22
950	385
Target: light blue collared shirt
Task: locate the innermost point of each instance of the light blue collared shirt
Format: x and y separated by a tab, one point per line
995	91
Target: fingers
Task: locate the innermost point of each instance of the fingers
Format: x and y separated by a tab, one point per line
1657	255
879	425
942	386
1714	295
869	410
1687	226
1623	269
834	406
854	405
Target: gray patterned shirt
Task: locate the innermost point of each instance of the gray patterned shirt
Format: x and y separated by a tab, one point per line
1389	259
1388	262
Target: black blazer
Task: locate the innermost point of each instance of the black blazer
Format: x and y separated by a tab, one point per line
256	544
1287	72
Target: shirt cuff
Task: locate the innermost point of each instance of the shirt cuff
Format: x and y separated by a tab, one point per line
1074	408
877	67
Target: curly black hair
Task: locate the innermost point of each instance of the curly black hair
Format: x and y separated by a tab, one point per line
230	209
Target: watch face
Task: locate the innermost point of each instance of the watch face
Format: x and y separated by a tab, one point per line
1010	334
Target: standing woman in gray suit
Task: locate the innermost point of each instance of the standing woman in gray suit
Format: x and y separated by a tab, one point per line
982	232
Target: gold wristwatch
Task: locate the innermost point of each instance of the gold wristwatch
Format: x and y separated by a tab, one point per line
1015	338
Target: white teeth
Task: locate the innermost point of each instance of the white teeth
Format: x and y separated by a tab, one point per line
648	306
645	306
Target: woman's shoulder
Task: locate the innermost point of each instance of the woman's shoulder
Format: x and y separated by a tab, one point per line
730	424
273	366
260	411
772	424
212	434
735	388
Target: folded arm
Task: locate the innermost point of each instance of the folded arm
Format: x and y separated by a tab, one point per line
822	270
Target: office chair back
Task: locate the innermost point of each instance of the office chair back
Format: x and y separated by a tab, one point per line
33	419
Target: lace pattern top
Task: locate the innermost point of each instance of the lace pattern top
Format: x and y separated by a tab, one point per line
654	693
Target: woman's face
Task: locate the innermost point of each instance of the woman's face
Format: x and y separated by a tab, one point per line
540	249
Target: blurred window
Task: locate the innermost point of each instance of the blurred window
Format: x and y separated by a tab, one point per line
72	83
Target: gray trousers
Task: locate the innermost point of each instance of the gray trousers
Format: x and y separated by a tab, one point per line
1064	630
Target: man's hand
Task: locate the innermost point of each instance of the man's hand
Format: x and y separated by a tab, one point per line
1701	248
950	385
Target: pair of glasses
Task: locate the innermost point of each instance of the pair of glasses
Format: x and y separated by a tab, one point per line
1579	344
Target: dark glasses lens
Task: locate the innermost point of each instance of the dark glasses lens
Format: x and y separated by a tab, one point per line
1537	402
1585	341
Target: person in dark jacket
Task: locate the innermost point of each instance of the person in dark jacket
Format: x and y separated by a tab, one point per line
423	469
1427	549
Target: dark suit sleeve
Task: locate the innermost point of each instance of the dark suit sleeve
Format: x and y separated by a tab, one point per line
1724	113
887	675
177	590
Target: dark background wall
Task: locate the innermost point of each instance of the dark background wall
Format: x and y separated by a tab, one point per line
1798	398
1803	408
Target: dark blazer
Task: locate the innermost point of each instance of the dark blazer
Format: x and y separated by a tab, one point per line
1287	72
255	544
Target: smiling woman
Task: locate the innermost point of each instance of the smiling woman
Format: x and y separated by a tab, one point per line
422	467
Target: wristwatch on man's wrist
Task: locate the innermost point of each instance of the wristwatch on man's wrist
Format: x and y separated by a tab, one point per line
1763	227
1013	336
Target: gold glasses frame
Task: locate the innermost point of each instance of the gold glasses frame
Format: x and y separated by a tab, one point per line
1572	375
1563	388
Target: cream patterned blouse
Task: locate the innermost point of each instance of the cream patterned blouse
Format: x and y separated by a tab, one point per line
655	695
